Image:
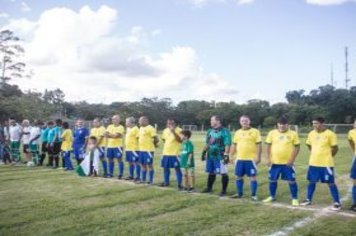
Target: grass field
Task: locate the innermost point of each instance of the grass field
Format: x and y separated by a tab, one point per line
43	201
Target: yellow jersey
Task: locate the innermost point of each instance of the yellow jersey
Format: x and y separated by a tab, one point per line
352	137
98	133
67	143
115	142
246	141
131	139
171	145
282	145
321	148
145	138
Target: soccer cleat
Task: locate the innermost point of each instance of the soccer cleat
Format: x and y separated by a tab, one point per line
119	177
191	190
254	198
236	196
353	207
306	202
163	185
207	191
222	194
269	200
295	202
180	188
336	206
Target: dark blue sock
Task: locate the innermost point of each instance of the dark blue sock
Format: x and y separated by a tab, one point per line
121	168
354	194
131	170
166	174
151	173
105	167
111	168
293	190
273	188
253	186
179	176
239	186
138	171
334	192
310	190
144	175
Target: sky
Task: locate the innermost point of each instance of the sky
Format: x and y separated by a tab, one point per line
223	50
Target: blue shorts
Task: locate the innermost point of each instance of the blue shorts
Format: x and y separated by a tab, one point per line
146	158
66	154
245	167
114	153
321	174
170	162
102	152
215	166
285	172
353	168
132	156
78	151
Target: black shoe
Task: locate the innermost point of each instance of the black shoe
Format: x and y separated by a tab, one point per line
353	207
129	178
207	191
236	196
119	177
222	194
191	190
180	188
163	185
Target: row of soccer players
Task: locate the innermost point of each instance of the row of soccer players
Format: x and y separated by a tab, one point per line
282	149
283	146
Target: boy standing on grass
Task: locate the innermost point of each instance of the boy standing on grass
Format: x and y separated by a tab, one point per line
90	165
322	143
352	141
66	147
187	161
283	146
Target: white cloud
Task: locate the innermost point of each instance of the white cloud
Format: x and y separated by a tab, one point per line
25	7
200	3
4	15
242	2
328	2
84	57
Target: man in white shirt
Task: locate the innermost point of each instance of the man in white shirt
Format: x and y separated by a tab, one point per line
26	130
35	141
15	137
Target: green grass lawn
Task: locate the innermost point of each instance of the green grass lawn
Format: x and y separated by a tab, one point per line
43	201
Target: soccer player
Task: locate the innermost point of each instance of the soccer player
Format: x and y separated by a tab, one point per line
98	131
35	134
15	137
283	146
114	133
80	136
25	133
66	147
216	154
131	148
54	142
248	148
171	149
352	141
322	143
44	139
187	161
147	142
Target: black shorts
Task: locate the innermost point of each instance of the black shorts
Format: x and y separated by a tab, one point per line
26	148
44	148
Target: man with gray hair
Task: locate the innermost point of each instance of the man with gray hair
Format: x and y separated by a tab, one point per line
131	148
